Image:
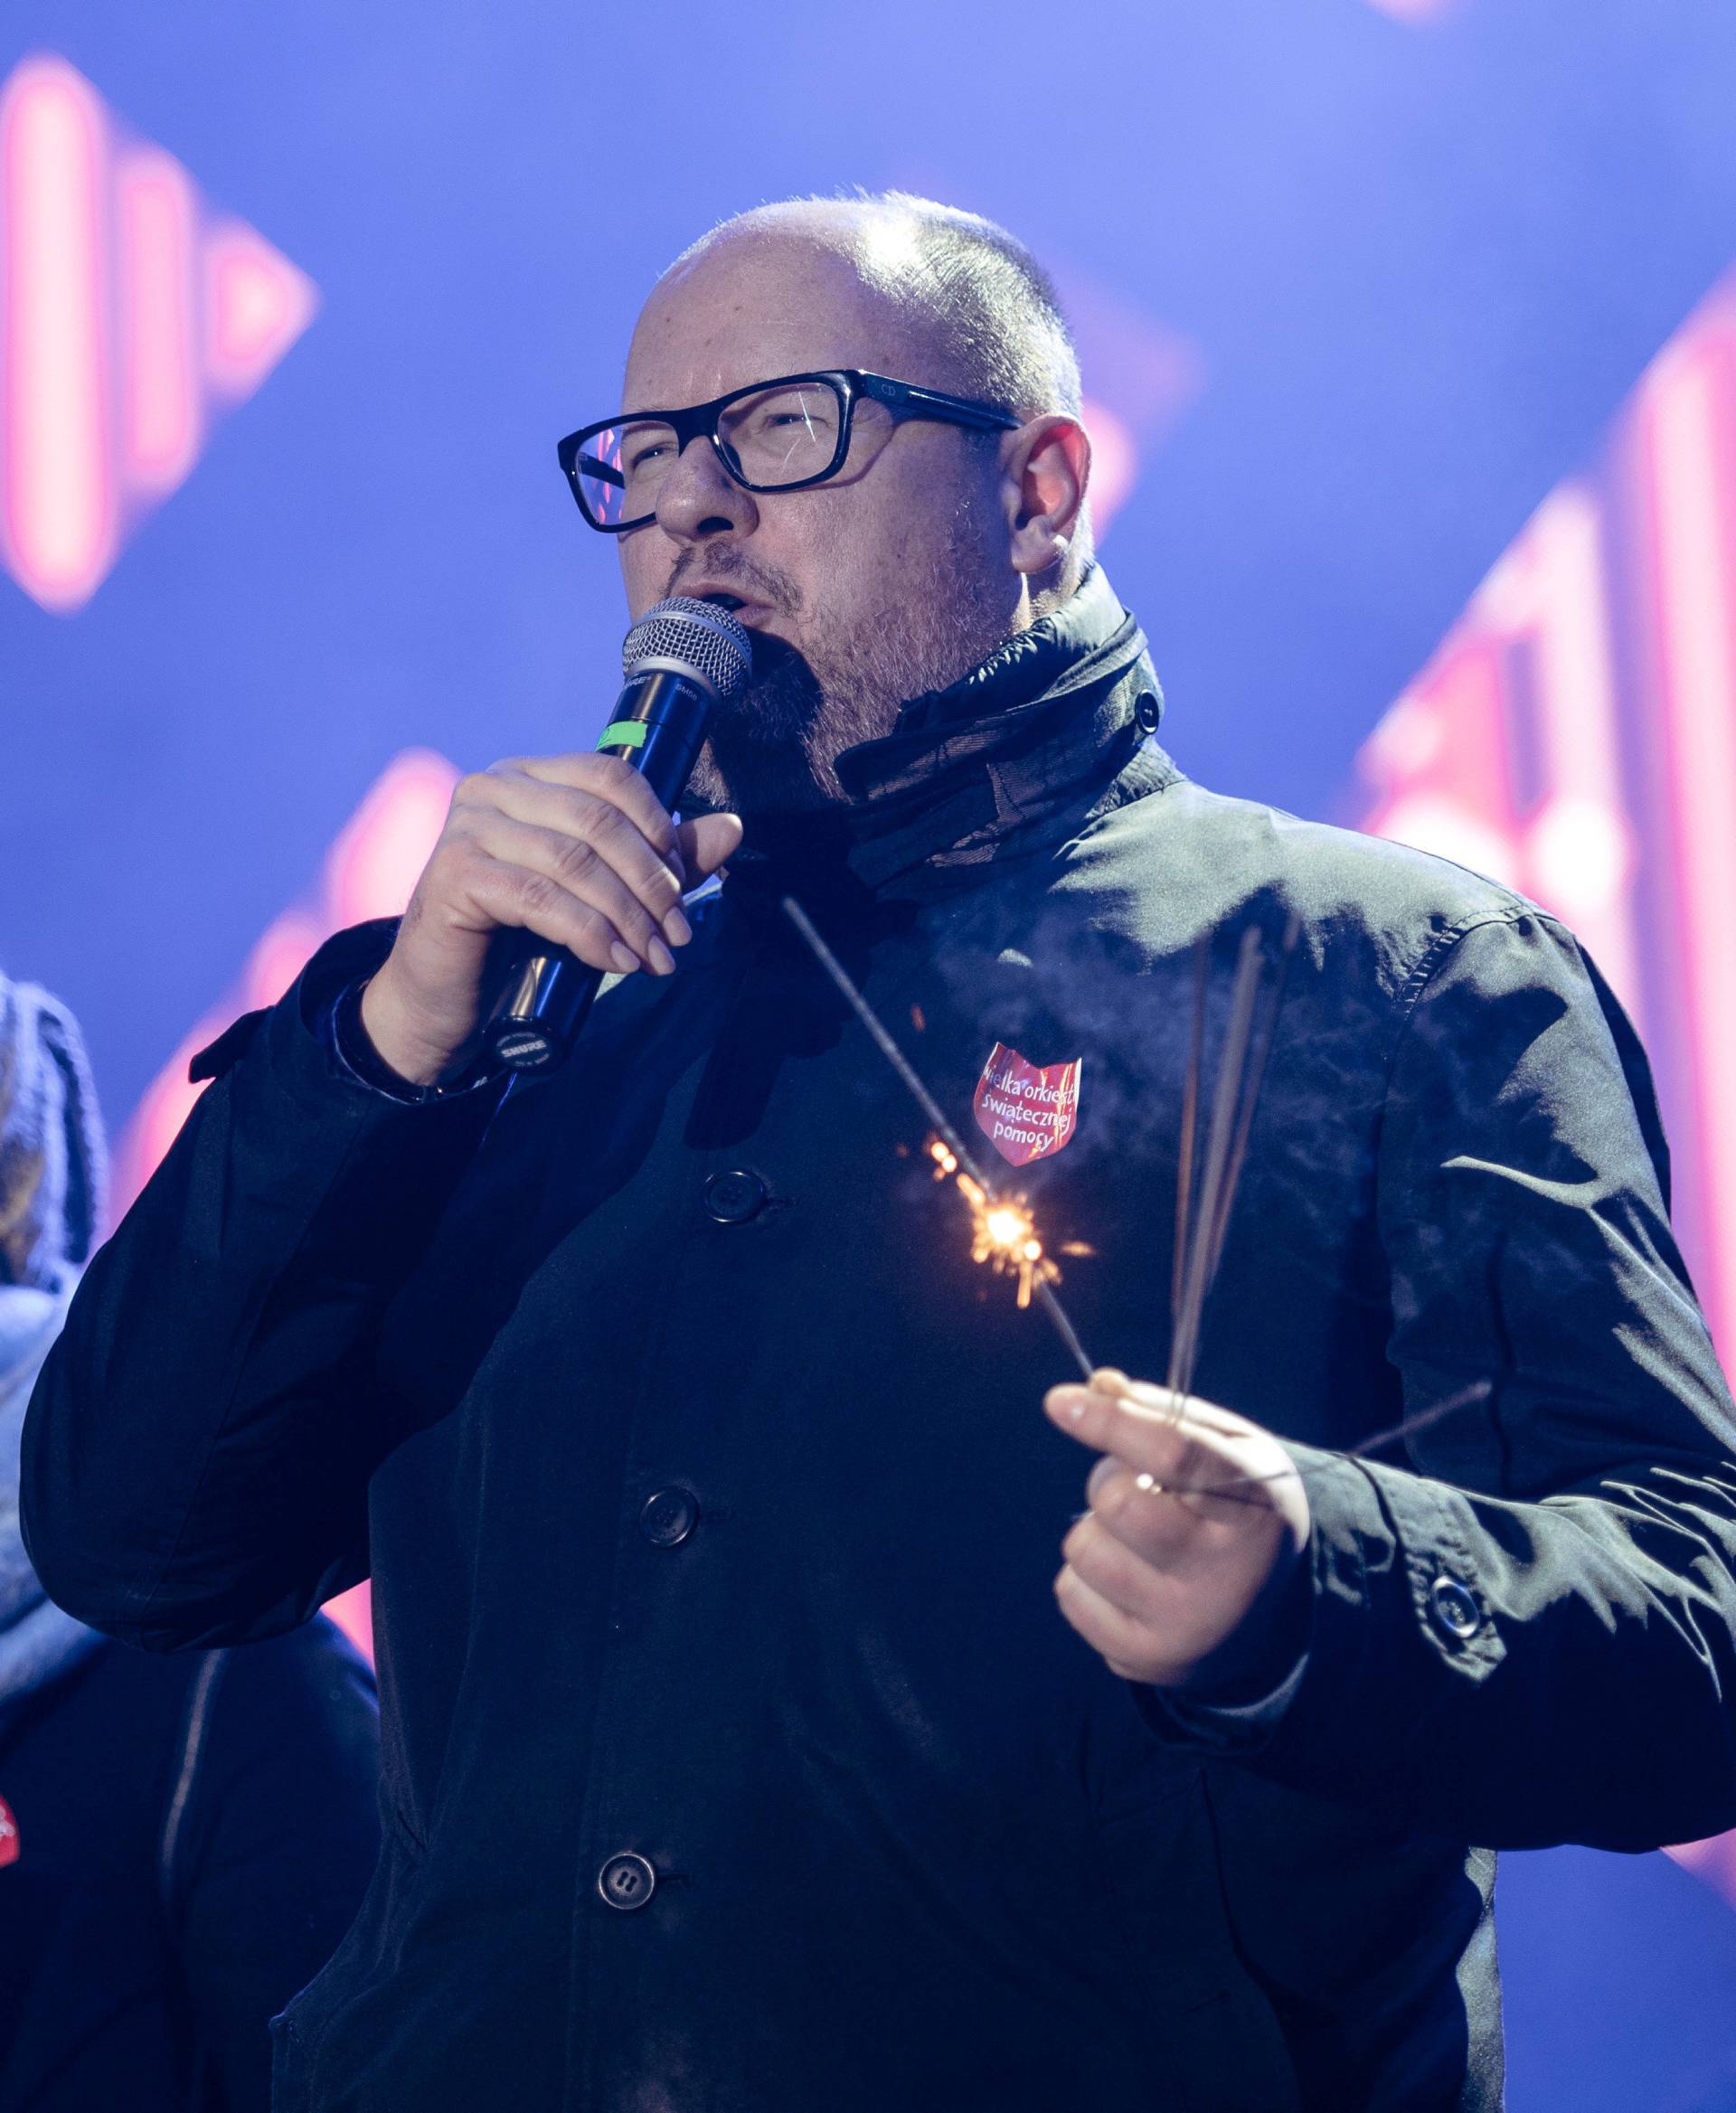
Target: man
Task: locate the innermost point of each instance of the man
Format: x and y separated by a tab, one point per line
736	1755
182	1841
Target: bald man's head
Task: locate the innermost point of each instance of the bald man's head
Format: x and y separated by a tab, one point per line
932	543
973	291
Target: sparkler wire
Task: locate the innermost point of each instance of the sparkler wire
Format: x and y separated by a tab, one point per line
1189	1135
1065	1328
1220	1135
1230	1140
1436	1412
1202	1225
931	1106
1260	1050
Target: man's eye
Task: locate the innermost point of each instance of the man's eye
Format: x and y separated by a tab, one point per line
809	422
639	457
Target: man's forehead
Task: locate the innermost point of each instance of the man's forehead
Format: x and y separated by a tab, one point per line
755	303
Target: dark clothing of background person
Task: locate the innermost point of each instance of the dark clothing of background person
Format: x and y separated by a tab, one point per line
194	1835
736	1755
183	1842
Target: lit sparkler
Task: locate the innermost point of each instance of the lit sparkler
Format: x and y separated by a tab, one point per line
1004	1234
1003	1230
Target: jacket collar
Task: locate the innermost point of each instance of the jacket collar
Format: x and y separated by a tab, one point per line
1044	732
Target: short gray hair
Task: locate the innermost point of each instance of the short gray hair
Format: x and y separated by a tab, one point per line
1002	335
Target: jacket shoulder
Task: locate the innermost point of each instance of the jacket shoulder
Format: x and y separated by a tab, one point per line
1187	844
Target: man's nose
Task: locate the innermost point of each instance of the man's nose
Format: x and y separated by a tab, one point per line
700	499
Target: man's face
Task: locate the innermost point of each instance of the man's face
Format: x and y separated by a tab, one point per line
889	581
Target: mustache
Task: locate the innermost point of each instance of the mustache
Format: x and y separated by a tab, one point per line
725	566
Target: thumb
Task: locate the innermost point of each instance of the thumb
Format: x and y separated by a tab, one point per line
705	842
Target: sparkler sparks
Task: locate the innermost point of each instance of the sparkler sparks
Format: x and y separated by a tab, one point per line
1013	1232
1003	1232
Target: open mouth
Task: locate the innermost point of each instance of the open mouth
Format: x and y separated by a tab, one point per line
726	601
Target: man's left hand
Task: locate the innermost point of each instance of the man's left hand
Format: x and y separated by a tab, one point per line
1172	1584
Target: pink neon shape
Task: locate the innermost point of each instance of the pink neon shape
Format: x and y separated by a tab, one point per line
372	868
368	873
257	305
160	425
1115	464
1142	376
60	510
1688	428
128	319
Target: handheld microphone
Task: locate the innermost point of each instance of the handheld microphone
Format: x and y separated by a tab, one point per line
680	659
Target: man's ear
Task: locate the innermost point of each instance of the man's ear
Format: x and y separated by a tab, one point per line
1046	468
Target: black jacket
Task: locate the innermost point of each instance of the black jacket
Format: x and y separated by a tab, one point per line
713	1516
190	1840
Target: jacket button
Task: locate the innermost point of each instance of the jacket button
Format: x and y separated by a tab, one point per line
626	1881
1454	1608
735	1197
667	1516
1147	712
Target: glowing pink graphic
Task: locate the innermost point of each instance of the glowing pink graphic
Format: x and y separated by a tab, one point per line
1685	430
60	498
1142	376
1115	464
1575	735
256	306
128	317
161	412
1414	10
369	871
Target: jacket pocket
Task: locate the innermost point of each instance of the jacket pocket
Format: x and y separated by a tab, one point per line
1213	2038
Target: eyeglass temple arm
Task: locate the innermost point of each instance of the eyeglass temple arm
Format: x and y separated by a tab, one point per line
909	396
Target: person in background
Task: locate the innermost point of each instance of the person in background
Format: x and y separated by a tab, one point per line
183	1840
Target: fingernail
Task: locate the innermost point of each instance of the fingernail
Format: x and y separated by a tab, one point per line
624	957
676	929
660	957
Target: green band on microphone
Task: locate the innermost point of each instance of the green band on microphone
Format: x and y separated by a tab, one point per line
625	734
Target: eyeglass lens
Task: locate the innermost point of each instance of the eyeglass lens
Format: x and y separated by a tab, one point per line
771	436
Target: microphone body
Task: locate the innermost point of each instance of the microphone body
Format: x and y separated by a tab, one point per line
681	658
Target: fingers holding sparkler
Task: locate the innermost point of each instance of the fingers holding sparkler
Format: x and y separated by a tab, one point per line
1162	1572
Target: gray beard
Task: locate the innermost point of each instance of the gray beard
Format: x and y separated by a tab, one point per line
776	748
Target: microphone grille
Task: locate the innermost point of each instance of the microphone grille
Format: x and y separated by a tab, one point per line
706	639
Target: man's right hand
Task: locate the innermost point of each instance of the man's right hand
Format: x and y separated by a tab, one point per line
574	849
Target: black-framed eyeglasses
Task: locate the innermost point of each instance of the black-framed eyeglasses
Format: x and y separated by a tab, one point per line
775	436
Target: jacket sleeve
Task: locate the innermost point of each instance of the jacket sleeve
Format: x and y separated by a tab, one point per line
1525	1637
198	1449
270	1838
